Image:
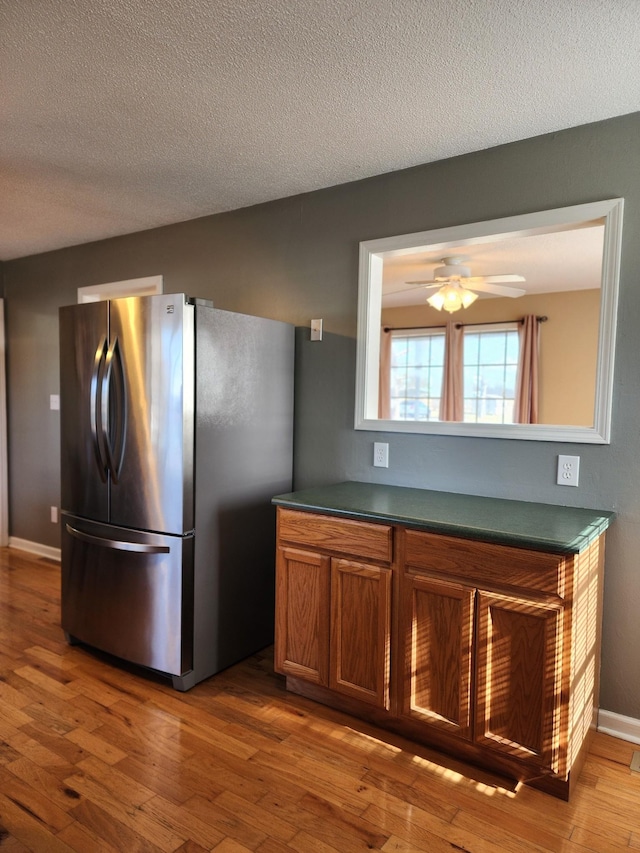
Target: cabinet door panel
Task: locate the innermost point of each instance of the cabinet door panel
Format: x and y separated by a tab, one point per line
438	631
360	631
302	615
519	651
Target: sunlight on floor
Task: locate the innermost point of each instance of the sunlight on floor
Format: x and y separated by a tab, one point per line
504	787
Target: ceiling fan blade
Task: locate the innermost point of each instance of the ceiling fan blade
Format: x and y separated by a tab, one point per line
469	281
497	289
436	286
494	279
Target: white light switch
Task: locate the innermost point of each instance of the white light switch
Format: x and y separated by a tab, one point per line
54	402
316	330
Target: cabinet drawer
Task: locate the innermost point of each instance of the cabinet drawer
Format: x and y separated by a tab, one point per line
483	562
342	535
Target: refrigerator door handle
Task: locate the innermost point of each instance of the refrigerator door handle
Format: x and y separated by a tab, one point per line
96	413
116	544
117	401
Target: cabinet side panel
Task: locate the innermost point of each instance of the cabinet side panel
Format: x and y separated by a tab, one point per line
586	618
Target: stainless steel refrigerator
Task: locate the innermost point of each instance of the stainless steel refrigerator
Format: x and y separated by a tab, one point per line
176	431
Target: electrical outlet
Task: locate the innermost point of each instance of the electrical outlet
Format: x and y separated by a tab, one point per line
568	470
380	454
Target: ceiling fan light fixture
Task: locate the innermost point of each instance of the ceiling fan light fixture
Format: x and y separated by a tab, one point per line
436	301
468	297
452	297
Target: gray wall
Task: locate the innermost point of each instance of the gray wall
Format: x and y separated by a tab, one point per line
295	259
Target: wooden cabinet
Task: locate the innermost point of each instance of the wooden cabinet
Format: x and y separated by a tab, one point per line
437	626
482	626
333	614
302	615
519	678
360	631
487	651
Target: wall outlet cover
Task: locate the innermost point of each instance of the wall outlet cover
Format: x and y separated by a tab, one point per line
380	454
568	470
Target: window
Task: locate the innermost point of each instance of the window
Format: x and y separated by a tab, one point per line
417	370
490	367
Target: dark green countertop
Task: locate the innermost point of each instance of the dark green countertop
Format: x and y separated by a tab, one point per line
541	527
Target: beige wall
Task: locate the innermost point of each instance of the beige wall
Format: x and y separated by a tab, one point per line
568	345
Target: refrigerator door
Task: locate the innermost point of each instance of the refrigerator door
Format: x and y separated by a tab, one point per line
149	375
83	347
129	593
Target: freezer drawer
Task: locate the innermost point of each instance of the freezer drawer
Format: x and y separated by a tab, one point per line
129	593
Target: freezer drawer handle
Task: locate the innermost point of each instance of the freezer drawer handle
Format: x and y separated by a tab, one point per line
116	544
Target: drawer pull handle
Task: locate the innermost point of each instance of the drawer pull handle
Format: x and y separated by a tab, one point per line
116	544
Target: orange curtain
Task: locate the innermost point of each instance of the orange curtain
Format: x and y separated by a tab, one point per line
452	400
525	409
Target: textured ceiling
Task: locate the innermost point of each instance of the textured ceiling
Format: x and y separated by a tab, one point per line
119	116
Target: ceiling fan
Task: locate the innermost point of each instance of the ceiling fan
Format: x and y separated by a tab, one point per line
455	285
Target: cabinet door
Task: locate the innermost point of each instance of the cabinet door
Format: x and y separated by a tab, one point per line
360	631
437	629
518	682
302	615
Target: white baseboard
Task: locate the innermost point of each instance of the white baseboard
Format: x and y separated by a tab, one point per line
35	548
626	728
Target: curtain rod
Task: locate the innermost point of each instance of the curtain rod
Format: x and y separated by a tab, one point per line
542	319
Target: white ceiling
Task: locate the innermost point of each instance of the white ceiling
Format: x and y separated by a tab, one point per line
117	115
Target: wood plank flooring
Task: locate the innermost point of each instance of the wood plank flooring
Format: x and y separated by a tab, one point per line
95	757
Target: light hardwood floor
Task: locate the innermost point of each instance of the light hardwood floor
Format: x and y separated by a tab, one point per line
97	758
